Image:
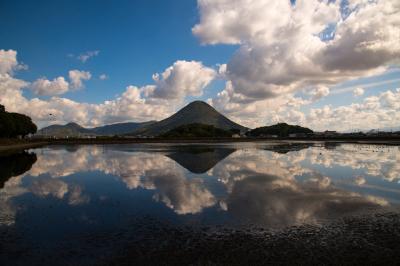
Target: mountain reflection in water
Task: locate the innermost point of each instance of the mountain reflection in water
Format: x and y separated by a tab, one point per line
263	184
199	160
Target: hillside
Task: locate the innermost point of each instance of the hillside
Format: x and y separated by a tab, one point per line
120	128
197	130
195	112
281	130
70	130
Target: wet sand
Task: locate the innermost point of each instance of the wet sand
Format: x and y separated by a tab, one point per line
363	240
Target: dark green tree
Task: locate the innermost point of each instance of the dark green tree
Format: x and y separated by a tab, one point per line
14	124
23	125
197	130
7	125
281	130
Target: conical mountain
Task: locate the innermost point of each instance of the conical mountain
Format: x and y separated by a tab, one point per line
195	112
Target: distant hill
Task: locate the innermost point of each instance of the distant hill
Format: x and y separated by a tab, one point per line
281	130
70	129
120	128
196	130
195	112
75	130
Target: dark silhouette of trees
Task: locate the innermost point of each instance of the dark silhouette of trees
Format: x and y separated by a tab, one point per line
281	130
235	131
197	130
13	124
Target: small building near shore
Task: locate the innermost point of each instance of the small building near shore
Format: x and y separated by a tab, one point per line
330	133
297	135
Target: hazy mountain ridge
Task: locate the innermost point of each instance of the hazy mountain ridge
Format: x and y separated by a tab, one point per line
121	128
74	129
70	129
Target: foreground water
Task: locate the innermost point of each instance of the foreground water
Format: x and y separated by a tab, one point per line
56	198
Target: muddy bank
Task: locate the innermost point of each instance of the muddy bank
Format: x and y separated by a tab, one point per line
364	240
12	145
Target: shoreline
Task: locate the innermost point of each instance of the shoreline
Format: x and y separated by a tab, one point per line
17	145
14	147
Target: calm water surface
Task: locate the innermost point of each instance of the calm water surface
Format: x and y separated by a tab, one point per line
54	193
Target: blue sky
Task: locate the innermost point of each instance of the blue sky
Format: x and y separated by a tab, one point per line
132	40
135	40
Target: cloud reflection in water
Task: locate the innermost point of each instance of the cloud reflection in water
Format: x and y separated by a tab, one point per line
257	184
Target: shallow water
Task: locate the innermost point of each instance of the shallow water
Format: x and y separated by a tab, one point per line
55	193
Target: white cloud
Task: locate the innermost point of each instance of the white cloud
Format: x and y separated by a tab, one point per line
134	104
44	86
103	77
182	79
374	112
129	106
281	51
59	85
358	92
368	85
319	92
380	111
86	56
251	113
9	63
222	70
76	77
